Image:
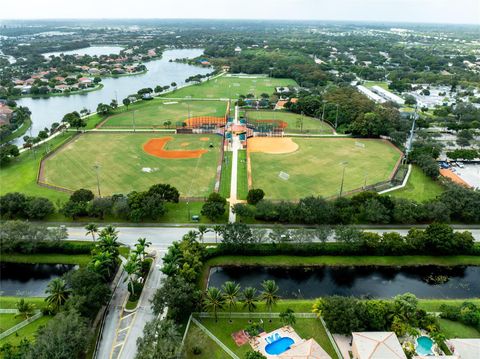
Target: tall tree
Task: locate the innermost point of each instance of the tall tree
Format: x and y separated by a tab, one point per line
270	294
57	292
231	290
249	298
92	229
214	300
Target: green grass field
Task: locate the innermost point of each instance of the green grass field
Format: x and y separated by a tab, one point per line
156	112
296	123
242	180
382	84
420	187
196	338
453	329
27	332
232	87
8	320
226	175
305	328
316	167
123	162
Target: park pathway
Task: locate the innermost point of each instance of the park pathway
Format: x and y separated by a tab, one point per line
236	145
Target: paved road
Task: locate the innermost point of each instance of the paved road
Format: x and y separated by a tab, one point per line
162	237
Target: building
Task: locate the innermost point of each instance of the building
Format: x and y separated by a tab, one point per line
376	345
387	95
6	114
308	349
465	348
371	95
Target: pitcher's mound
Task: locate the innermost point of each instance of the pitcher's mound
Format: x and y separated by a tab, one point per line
272	145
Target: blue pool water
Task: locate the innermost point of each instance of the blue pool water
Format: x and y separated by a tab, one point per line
424	346
279	346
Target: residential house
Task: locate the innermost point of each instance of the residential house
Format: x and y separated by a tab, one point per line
6	114
376	345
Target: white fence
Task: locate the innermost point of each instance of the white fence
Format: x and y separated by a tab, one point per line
20	325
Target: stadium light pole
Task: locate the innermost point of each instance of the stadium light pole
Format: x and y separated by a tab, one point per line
97	169
344	164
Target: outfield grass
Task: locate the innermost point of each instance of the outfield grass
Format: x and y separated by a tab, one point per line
21	174
121	159
305	328
242	178
453	329
316	167
225	180
232	87
295	123
156	112
420	187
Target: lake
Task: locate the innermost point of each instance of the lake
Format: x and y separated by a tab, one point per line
358	281
29	280
45	111
91	51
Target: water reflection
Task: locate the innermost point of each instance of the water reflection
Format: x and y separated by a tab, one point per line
19	279
360	281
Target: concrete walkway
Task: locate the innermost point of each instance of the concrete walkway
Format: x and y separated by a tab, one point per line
236	145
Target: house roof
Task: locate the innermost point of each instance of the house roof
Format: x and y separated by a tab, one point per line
308	349
466	348
377	345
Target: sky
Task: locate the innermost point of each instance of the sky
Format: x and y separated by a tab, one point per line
432	11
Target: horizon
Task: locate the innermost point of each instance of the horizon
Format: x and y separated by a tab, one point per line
463	12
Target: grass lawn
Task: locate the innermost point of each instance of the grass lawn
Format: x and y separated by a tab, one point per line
382	84
197	338
156	112
316	167
27	332
305	328
9	320
457	330
232	87
21	174
226	175
179	213
420	187
80	259
10	302
293	120
122	159
242	179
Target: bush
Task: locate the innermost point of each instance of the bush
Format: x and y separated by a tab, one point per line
255	195
17	205
214	206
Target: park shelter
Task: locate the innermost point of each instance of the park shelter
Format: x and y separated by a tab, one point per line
376	345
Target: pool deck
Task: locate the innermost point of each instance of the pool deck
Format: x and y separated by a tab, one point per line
259	342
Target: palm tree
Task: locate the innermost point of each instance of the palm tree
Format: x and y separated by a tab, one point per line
230	293
288	317
132	269
269	294
141	246
214	300
202	230
102	263
92	229
249	298
217	229
108	243
24	309
57	292
109	231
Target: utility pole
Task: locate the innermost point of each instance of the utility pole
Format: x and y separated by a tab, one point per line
97	169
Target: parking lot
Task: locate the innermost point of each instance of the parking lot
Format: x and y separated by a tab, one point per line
470	173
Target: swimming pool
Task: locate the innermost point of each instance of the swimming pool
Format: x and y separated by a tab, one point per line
424	346
279	346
